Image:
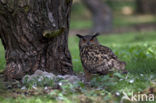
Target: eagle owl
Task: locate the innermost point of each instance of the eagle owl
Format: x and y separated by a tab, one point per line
96	58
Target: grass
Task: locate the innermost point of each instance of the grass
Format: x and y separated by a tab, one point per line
136	48
119	21
2	55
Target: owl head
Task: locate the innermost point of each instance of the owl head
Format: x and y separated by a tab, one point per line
88	40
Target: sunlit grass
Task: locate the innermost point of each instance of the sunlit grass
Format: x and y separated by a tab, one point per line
2	55
118	21
121	21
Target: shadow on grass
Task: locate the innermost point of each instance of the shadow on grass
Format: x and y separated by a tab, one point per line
145	66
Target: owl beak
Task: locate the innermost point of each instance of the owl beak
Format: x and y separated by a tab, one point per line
88	43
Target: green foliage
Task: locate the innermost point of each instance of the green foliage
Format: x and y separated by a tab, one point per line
103	81
38	82
121	82
2	55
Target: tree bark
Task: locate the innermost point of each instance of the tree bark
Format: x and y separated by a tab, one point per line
102	15
24	27
146	6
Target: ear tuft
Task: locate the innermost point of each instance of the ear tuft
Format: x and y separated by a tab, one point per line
78	35
96	34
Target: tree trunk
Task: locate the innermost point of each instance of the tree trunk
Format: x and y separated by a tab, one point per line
102	15
35	36
146	6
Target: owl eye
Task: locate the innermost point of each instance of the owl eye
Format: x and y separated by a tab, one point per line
91	40
84	40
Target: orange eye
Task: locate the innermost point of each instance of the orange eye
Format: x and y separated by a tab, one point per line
91	40
84	40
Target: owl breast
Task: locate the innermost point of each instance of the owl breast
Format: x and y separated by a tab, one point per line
97	59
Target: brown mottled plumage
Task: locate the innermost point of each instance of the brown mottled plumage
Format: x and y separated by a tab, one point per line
95	58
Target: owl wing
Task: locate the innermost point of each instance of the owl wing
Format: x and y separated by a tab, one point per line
97	59
108	51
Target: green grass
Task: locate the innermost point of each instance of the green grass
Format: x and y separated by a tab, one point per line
81	24
80	17
138	49
119	21
2	55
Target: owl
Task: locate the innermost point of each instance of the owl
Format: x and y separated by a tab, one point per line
96	58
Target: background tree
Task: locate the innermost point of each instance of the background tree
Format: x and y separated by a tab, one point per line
102	15
146	6
35	36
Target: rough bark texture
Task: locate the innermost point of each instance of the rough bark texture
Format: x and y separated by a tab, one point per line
22	26
146	6
102	15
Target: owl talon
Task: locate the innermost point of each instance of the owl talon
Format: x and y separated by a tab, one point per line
88	76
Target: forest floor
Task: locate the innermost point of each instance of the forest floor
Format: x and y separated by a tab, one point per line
137	49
